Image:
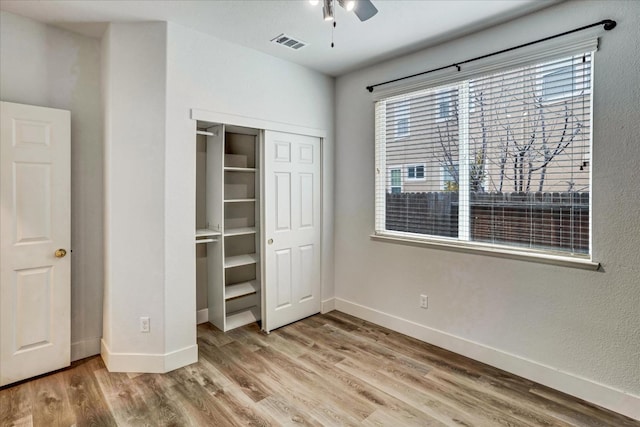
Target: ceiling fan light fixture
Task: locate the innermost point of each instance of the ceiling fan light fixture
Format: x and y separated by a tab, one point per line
365	10
348	5
327	10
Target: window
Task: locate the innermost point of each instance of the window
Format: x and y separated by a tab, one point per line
558	83
444	105
415	173
396	181
512	169
566	78
402	111
449	174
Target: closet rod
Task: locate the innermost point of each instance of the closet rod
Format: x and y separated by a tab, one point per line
206	241
202	132
607	23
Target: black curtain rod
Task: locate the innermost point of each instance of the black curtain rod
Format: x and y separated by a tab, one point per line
608	25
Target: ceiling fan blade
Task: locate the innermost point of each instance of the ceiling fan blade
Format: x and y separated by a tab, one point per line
364	9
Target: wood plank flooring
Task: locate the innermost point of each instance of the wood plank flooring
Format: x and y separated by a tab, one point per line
330	369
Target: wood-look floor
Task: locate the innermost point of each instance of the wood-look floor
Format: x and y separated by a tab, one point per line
328	369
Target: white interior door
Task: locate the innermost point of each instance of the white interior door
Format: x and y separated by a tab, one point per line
292	228
35	225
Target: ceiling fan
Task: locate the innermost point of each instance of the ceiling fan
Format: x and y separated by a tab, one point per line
363	9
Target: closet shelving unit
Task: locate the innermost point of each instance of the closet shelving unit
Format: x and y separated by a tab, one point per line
233	213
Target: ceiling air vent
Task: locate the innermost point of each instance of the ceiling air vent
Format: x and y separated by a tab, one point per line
289	42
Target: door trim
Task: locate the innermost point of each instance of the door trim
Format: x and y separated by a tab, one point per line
250	122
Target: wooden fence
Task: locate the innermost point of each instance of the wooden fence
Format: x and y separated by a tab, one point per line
540	220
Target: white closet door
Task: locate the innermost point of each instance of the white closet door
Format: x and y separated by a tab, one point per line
35	236
292	228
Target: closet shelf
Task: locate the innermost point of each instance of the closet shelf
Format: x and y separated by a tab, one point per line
239	231
243	317
238	260
206	232
239	200
233	169
241	289
204	235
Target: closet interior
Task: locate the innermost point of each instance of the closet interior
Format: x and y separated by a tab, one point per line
228	259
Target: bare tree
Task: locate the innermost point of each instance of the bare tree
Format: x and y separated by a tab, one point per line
448	139
542	140
515	135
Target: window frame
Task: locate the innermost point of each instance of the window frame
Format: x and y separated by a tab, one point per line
391	168
443	171
443	96
575	46
415	166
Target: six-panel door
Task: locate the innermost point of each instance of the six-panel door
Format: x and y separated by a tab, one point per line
292	228
35	238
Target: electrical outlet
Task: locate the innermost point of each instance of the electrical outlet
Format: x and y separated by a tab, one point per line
145	324
424	301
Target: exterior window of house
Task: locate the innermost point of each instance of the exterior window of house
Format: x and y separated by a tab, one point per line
558	84
396	181
565	78
449	174
415	173
402	111
512	170
444	105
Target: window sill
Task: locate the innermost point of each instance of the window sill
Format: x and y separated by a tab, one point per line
543	258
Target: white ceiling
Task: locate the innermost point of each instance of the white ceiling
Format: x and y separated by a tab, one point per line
401	26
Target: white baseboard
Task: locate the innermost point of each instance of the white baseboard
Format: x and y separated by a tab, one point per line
179	358
85	348
583	388
148	363
202	316
328	305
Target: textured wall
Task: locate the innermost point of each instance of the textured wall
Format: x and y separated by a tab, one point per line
50	67
214	75
582	323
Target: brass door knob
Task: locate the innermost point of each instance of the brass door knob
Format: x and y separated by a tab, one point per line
60	253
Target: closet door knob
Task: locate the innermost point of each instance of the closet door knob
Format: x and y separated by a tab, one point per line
270	241
60	253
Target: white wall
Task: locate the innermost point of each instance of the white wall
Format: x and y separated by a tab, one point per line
576	330
210	74
155	73
47	66
134	91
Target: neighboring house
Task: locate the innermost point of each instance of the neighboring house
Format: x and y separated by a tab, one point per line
528	131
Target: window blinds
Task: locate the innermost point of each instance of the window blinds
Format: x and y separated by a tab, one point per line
500	159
